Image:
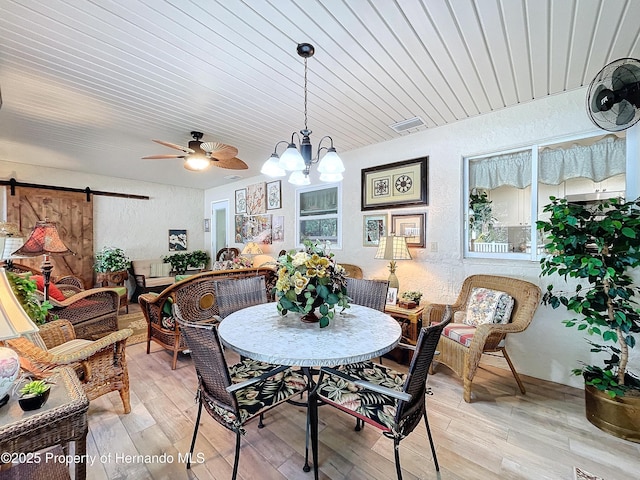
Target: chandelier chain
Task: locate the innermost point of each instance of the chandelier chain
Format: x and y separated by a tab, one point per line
305	94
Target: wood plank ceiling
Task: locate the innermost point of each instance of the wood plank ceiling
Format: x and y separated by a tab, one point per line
87	84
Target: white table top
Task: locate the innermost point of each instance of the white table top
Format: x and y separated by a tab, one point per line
356	335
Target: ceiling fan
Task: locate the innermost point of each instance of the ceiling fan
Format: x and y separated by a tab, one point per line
199	155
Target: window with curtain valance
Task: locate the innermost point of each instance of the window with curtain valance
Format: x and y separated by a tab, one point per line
504	182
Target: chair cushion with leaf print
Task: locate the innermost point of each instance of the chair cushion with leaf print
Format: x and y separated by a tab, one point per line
364	404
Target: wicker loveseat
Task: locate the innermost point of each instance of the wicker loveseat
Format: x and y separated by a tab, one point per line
463	354
196	299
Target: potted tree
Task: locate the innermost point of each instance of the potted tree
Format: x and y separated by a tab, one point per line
600	246
111	266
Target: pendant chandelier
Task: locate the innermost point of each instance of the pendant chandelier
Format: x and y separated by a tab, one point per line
298	159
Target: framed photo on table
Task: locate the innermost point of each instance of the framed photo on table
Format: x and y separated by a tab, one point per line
395	185
392	296
411	226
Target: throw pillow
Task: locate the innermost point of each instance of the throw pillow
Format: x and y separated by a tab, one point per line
54	292
160	270
488	306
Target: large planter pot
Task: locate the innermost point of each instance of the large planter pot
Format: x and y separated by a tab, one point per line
619	416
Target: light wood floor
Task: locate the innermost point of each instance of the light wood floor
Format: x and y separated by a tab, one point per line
501	434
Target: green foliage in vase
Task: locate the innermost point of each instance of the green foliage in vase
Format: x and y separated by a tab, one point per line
24	289
599	246
310	280
111	259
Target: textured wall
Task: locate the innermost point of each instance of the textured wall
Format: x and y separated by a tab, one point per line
140	227
547	349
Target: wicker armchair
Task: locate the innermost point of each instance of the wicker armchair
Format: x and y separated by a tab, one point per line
389	400
93	312
463	360
101	364
353	271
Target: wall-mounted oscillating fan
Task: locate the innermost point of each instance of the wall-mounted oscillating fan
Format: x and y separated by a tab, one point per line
613	99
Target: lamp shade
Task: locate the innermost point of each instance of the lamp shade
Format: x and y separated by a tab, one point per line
272	167
252	248
44	240
393	248
10	245
197	163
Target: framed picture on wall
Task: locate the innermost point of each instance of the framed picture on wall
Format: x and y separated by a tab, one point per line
395	185
411	226
373	227
274	197
256	199
177	240
241	201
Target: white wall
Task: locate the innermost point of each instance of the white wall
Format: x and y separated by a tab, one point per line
547	349
140	227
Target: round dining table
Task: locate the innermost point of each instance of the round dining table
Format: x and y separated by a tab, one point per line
354	335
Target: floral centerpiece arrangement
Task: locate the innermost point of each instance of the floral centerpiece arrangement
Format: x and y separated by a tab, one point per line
311	280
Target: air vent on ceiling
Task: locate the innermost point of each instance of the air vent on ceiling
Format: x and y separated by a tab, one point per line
232	177
408	124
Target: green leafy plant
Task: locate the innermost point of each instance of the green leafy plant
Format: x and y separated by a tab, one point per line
180	262
24	290
598	245
412	296
35	387
111	259
311	279
481	217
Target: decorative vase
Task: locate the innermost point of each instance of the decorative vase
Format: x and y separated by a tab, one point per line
9	370
619	416
34	402
310	317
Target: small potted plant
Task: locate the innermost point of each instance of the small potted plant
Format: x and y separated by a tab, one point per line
410	299
34	395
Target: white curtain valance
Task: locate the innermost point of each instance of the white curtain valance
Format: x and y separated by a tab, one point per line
598	161
509	169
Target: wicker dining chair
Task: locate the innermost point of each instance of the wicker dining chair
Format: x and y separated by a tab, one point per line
234	294
368	293
389	400
227	253
101	364
234	395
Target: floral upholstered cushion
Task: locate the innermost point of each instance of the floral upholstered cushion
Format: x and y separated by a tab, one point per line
488	306
370	406
260	396
222	265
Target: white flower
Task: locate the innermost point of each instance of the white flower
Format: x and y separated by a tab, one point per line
299	259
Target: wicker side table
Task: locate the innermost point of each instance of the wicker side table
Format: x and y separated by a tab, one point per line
61	420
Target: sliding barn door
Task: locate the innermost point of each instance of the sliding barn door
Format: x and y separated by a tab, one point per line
73	216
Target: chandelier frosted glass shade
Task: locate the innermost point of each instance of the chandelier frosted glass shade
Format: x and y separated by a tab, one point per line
197	163
272	168
299	178
291	160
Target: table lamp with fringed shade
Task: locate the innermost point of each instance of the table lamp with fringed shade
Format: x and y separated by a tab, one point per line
44	240
14	322
393	248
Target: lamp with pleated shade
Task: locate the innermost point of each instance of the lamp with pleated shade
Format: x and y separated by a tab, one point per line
44	240
393	248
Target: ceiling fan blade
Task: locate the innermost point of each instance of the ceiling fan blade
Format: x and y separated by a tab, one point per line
231	163
162	156
173	145
219	150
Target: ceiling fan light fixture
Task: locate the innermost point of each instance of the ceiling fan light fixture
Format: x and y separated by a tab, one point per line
196	163
299	158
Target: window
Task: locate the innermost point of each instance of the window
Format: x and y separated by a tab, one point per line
506	192
319	214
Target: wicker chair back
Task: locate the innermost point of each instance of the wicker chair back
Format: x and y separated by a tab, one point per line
211	366
408	414
237	293
368	293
